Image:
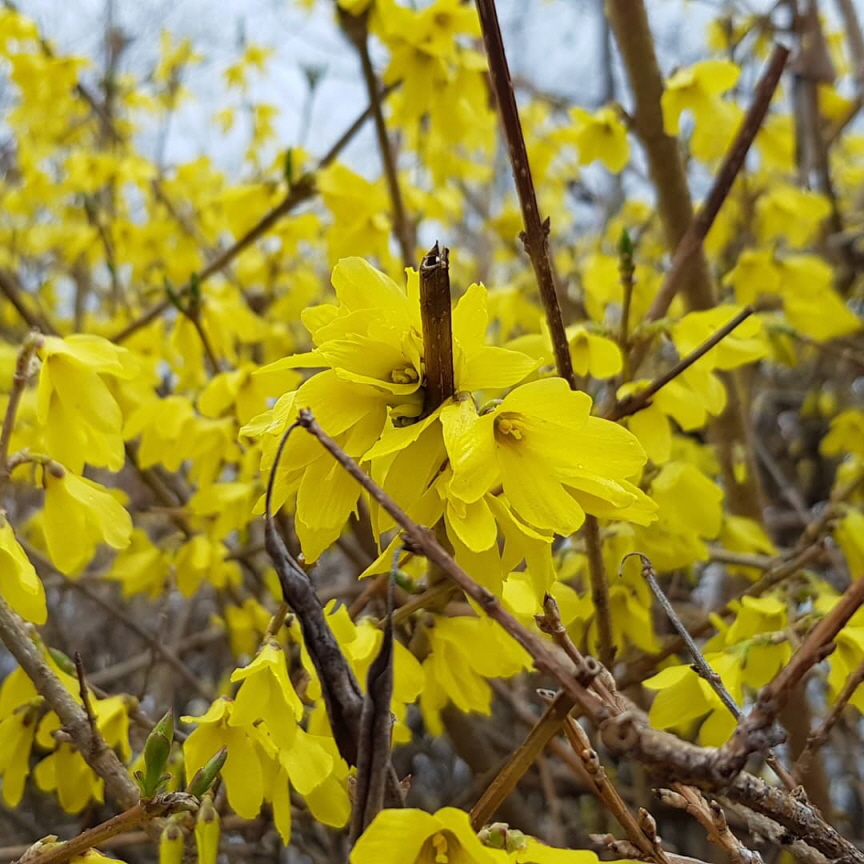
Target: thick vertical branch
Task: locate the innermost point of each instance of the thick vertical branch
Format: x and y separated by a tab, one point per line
536	233
437	329
629	21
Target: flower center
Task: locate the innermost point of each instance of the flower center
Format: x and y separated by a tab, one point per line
508	426
405	375
439	841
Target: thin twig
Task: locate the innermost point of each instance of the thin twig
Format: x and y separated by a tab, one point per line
605	790
599	591
536	232
11	289
542	732
820	735
626	271
84	693
781	570
357	31
701	665
300	191
712	818
631	404
754	730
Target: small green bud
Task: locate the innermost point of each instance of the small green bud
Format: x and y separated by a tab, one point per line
625	244
205	777
157	749
288	167
63	661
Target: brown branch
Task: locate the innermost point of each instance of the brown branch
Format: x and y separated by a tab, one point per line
605	790
732	164
542	732
820	735
95	752
536	232
16	391
437	329
754	730
356	29
137	814
599	591
376	727
711	817
342	696
11	289
631	404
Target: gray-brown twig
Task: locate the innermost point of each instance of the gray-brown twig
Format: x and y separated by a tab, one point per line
101	758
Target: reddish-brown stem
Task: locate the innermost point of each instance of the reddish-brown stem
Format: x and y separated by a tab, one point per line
536	233
437	329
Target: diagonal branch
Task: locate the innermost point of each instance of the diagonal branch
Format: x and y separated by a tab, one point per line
300	191
624	732
631	404
101	758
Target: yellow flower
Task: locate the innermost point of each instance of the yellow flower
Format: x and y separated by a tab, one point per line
683	697
593	354
17	731
690	511
554	460
455	671
201	559
791	214
207	832
19	585
372	347
242	772
745	344
79	515
600	136
267	694
415	837
80	417
65	772
243	391
142	567
698	89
